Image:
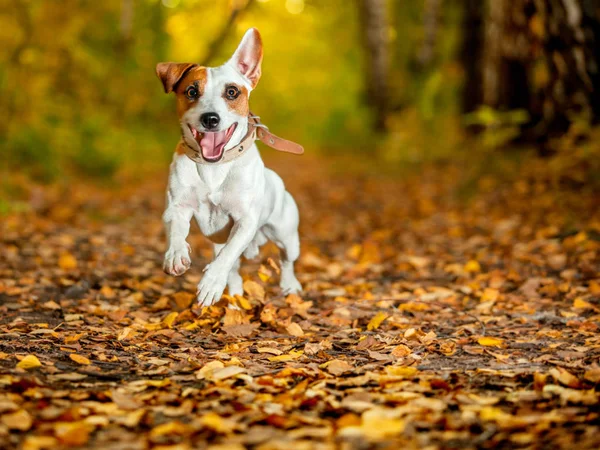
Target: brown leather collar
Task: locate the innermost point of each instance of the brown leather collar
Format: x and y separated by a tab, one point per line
255	130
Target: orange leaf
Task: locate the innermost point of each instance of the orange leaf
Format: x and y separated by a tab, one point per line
79	359
490	341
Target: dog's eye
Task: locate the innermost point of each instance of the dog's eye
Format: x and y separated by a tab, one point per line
191	92
232	92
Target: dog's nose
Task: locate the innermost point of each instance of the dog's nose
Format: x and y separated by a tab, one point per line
210	120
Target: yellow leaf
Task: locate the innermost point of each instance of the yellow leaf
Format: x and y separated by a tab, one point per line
254	290
400	351
72	433
472	266
29	362
264	273
79	359
39	442
582	304
490	294
169	428
158	383
217	423
19	420
243	303
290	356
168	321
376	321
490	341
401	371
413	306
66	261
494	414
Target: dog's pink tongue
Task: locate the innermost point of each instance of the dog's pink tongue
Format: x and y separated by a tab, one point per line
212	144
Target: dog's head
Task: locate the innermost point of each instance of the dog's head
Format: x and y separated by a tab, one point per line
212	103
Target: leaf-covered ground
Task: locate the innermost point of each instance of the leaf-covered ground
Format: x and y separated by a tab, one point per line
437	313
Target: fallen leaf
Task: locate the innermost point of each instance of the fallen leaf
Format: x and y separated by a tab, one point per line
488	341
67	261
29	362
19	420
226	372
240	330
254	290
72	433
376	321
79	359
294	329
337	367
125	401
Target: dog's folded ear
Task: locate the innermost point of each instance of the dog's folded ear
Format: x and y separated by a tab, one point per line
248	56
171	73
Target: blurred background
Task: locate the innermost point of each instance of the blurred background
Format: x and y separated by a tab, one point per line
401	82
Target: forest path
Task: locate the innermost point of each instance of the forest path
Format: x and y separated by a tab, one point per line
436	312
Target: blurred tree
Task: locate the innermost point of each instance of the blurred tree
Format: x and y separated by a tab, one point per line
237	8
375	30
542	56
431	18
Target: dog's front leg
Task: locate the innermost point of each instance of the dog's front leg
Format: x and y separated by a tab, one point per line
177	224
213	282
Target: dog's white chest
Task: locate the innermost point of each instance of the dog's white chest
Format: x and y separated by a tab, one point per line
212	216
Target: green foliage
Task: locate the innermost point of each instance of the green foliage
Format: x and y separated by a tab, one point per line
499	127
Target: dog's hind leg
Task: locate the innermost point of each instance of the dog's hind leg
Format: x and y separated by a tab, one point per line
290	250
285	235
234	280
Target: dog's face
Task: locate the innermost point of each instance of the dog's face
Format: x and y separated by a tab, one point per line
212	103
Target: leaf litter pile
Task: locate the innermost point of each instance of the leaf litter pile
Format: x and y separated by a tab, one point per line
430	318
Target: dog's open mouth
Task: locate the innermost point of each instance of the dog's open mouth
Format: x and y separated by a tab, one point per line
212	144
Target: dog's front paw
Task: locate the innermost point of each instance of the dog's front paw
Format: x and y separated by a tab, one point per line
177	260
211	286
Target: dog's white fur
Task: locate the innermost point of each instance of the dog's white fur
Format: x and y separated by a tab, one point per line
241	196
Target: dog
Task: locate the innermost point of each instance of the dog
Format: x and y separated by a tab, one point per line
218	177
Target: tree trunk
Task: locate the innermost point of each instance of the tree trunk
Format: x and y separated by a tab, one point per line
431	18
539	55
375	27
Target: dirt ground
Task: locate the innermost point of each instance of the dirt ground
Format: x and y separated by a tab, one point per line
438	312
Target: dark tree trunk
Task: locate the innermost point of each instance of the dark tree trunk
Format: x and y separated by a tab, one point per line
374	21
470	54
539	55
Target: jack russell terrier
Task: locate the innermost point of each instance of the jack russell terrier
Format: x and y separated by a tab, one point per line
218	177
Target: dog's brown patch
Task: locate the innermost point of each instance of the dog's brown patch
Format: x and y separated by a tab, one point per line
171	73
239	104
180	149
194	77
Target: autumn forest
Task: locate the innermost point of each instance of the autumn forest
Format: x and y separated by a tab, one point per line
449	204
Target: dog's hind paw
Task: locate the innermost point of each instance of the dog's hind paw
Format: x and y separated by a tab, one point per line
290	286
177	260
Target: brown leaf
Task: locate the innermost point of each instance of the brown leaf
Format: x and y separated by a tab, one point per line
19	420
240	330
79	359
337	367
124	401
295	330
254	290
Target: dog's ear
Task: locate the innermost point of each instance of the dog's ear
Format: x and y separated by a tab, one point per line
248	56
171	73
